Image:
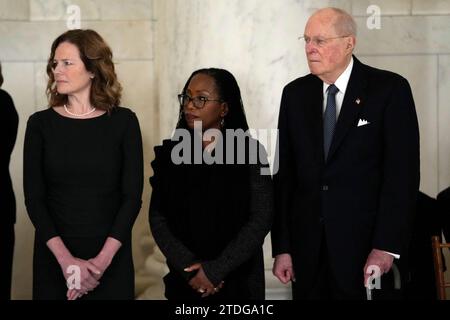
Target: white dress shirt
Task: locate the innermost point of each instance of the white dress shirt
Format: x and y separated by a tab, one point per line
341	83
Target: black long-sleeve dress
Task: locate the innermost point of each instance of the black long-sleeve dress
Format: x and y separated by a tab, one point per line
83	181
216	214
9	123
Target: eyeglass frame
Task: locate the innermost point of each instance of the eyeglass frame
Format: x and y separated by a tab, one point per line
325	40
191	99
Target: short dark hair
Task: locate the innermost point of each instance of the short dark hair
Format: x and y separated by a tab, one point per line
97	57
1	75
229	92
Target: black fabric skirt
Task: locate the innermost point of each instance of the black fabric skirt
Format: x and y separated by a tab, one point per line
117	283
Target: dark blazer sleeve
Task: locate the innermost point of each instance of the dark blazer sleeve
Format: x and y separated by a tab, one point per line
401	171
283	183
10	122
34	180
252	234
176	253
132	181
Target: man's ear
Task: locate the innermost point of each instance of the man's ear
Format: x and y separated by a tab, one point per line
351	43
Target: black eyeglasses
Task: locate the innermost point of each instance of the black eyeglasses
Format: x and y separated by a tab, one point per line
198	102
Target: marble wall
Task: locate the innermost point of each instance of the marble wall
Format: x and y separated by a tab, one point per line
158	43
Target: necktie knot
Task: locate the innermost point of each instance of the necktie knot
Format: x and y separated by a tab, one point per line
332	90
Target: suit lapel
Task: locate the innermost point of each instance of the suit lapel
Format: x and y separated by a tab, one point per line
351	106
315	115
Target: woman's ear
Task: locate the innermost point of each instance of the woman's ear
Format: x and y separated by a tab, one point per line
224	109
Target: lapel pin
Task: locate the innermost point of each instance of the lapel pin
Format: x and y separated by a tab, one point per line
358	101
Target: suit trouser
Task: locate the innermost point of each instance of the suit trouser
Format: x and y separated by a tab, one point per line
6	259
325	286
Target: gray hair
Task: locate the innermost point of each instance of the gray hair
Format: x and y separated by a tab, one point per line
344	23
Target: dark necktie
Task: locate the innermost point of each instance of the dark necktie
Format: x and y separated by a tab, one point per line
329	119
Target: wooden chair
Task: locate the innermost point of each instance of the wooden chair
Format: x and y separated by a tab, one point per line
438	266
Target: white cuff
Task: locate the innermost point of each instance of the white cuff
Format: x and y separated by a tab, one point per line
396	256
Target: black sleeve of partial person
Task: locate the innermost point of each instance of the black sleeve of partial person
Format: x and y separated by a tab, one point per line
251	236
34	182
132	181
401	171
10	123
283	185
176	253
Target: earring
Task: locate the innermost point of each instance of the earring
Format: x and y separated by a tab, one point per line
222	122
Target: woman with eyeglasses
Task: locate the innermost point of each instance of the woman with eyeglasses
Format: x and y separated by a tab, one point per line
210	219
83	176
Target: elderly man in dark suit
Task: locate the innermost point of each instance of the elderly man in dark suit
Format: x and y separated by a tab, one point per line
348	167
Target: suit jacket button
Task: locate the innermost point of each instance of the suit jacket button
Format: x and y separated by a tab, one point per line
325	188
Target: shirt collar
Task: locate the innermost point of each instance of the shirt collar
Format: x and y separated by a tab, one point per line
341	82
